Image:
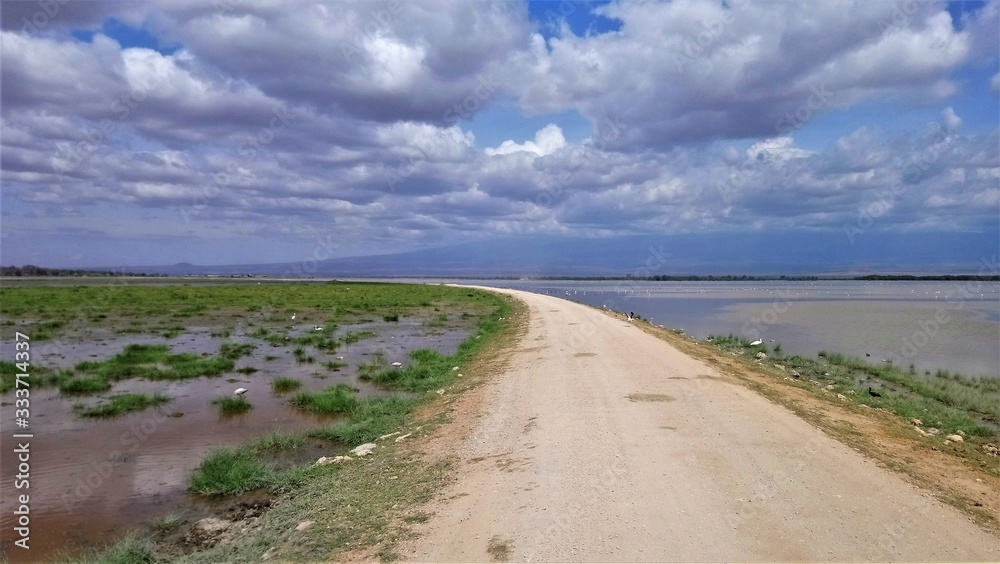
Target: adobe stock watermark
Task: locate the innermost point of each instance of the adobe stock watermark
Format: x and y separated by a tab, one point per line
250	149
758	324
698	42
955	300
47	11
69	158
484	90
885	199
96	475
376	26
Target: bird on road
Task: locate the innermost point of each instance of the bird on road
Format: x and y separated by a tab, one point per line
873	394
240	392
757	342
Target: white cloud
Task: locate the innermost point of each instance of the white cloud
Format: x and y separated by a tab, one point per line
952	123
548	140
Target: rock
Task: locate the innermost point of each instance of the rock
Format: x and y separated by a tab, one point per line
779	366
401	437
440	392
270	552
207	532
921	431
916	422
955	438
454	368
831	387
761	356
933	431
960	432
459	374
303	525
795	374
363	450
333	459
991	449
383	437
841	397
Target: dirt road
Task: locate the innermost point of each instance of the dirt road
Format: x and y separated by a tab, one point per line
603	443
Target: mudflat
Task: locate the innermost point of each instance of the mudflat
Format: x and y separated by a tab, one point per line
601	442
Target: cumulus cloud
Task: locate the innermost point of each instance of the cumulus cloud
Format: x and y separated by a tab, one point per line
547	140
276	121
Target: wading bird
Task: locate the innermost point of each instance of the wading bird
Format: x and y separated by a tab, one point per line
757	342
240	392
873	394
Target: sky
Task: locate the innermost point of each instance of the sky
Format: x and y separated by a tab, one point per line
239	131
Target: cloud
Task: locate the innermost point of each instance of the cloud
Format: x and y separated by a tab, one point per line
273	123
547	140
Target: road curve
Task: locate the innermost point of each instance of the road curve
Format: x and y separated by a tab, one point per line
603	443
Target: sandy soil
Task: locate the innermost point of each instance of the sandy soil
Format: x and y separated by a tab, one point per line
601	442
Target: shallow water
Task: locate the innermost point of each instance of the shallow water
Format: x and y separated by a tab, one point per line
92	479
951	326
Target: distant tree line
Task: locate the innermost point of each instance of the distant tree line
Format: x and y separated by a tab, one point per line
32	270
943	277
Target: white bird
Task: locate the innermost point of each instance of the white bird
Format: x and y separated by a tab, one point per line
240	392
293	317
317	328
397	364
757	342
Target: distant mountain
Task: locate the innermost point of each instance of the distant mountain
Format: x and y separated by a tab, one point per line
793	253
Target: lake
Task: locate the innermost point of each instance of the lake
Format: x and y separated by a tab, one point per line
951	326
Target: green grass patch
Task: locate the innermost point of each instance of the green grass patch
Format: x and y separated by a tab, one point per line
118	405
281	385
340	398
84	385
232	471
354	336
37	376
154	362
232	404
234	351
951	402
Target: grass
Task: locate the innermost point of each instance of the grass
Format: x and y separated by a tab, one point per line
38	376
130	550
84	385
247	370
232	404
281	385
168	524
335	365
354	336
301	357
231	471
234	351
118	405
340	398
354	504
154	362
428	370
950	402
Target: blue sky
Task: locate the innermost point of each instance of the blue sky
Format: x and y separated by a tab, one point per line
242	132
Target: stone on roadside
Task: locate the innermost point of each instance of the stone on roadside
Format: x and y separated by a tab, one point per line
831	387
761	355
841	397
384	437
960	432
363	450
303	525
916	422
933	431
955	438
440	392
403	437
333	460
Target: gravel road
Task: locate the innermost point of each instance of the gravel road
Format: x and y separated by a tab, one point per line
603	443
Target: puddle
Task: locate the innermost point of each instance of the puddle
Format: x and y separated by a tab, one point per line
91	480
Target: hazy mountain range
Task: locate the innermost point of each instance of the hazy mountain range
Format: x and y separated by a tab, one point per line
793	253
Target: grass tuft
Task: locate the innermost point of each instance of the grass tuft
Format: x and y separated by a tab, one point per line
232	404
118	405
285	384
